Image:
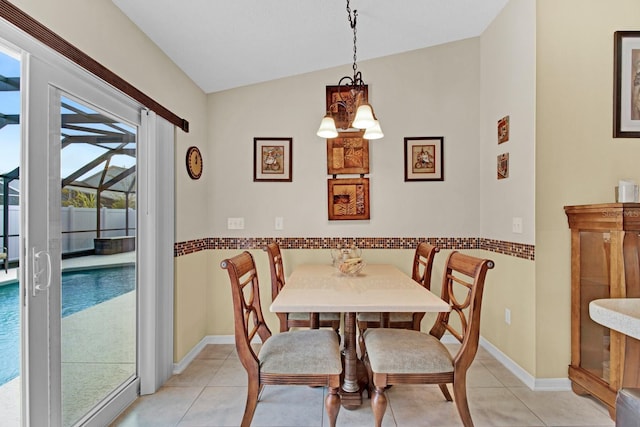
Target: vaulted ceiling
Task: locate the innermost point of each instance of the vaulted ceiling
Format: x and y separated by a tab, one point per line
226	44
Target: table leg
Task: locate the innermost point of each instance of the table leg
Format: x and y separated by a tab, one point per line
384	320
314	321
354	381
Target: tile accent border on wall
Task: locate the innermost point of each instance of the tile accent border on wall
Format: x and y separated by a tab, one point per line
519	250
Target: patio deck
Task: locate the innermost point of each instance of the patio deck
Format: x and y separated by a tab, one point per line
106	361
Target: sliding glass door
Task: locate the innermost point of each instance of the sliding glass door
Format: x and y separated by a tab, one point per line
81	264
98	284
91	311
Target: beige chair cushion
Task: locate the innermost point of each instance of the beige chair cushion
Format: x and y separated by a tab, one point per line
312	351
323	316
400	351
393	317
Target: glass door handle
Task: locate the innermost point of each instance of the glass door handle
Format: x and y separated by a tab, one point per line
38	271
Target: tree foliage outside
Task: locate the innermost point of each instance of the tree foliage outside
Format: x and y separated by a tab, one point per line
120	203
78	199
81	199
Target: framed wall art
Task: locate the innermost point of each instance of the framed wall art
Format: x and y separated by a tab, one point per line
341	103
272	159
626	84
503	129
348	154
423	158
503	166
348	199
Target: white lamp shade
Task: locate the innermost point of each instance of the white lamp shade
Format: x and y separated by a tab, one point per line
364	117
327	128
374	132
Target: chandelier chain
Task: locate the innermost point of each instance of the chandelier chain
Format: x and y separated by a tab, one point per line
352	23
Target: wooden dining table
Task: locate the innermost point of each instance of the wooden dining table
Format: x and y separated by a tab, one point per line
322	288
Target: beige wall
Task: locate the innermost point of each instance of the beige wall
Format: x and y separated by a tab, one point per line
99	29
577	160
429	92
508	89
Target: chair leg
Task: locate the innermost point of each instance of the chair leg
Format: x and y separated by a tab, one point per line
367	367
460	394
332	405
361	329
378	405
253	390
445	391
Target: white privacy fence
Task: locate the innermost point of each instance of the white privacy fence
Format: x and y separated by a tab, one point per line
78	227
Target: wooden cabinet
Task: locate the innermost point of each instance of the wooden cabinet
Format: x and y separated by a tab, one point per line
597	271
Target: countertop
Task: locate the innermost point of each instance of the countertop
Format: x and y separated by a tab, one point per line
619	314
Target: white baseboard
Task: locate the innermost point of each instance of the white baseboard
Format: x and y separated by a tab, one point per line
537	384
209	339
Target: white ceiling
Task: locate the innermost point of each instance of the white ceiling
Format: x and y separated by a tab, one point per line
222	44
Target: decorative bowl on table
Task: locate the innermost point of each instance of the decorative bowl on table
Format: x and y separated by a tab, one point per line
348	260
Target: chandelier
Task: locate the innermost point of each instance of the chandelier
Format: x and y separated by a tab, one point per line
355	87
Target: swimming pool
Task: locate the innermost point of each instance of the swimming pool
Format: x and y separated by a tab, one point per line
80	289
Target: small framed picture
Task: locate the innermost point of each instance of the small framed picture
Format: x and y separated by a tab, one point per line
272	159
348	199
348	154
626	84
503	166
503	129
342	104
423	158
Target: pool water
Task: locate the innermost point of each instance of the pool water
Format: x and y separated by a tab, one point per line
80	289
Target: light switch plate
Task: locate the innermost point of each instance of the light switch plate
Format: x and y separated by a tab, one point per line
279	223
516	226
235	223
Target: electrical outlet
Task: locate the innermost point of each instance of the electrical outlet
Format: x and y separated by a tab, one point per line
516	226
507	316
235	223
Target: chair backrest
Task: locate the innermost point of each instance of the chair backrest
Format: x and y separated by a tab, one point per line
462	287
423	263
247	310
277	268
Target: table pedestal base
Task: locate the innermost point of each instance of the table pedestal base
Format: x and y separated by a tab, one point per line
353	399
355	379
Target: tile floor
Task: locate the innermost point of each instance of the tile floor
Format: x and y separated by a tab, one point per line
211	392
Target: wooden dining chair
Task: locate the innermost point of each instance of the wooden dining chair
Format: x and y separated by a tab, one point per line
307	357
401	356
421	273
294	320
